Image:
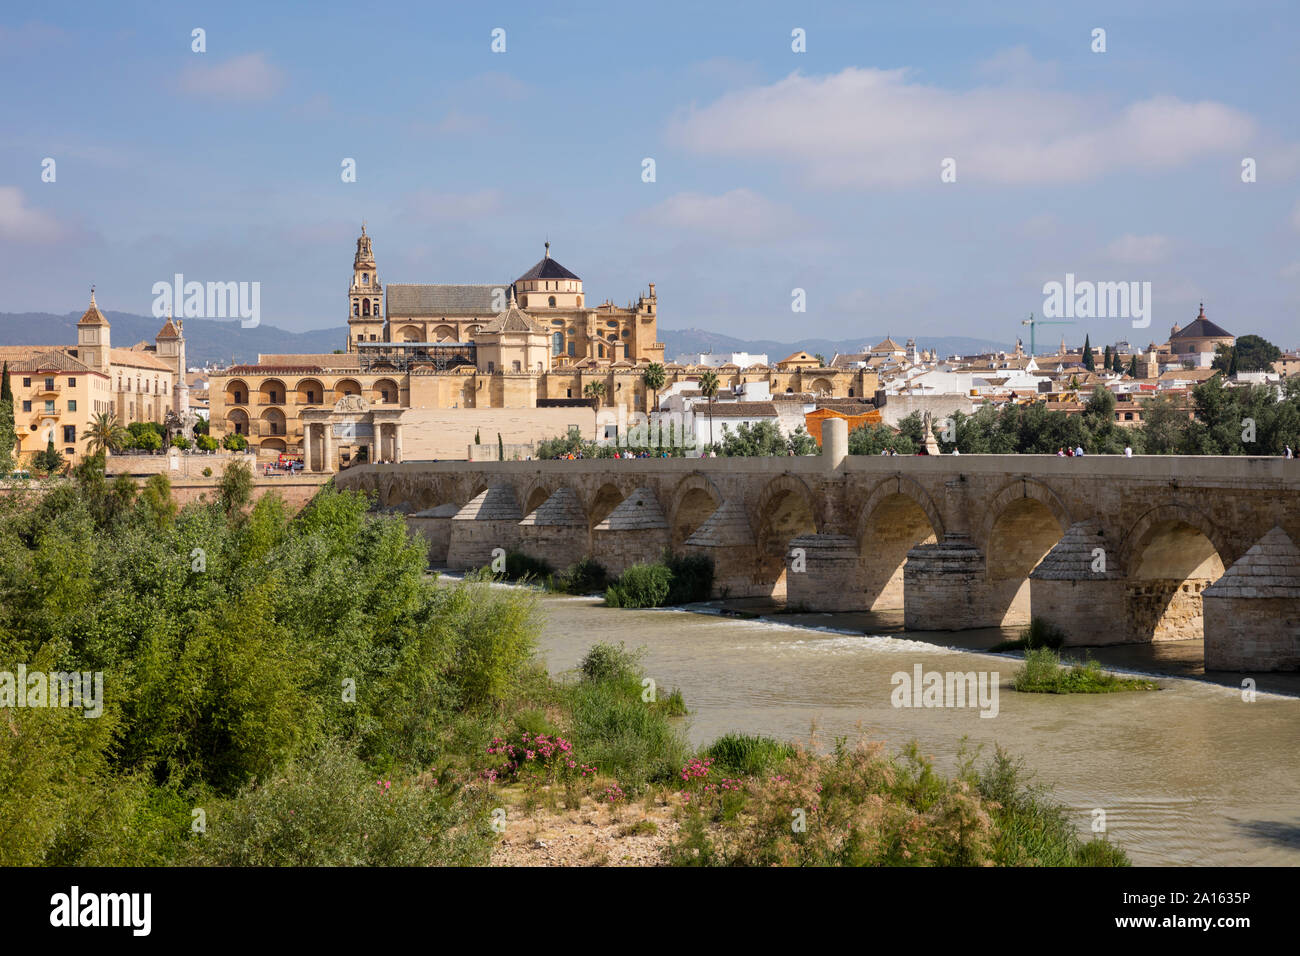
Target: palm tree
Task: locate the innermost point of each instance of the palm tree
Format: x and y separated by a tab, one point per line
595	391
709	389
106	434
654	380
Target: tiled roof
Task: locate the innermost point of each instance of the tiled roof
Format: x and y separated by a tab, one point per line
547	268
92	315
444	300
41	358
1201	328
739	409
169	330
515	319
135	359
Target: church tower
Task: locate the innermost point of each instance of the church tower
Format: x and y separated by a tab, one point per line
365	297
93	338
170	344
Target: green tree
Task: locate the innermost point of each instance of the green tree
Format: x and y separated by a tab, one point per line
50	460
873	439
1089	362
235	489
206	442
106	434
709	386
6	388
156	500
8	437
234	442
1106	359
1133	367
655	377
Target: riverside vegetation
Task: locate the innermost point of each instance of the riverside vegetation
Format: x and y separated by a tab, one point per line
295	690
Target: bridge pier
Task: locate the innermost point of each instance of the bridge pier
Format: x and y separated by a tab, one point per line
945	587
1252	613
556	531
488	522
635	532
1079	591
434	526
823	572
728	540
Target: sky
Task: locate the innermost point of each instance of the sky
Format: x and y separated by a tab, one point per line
774	170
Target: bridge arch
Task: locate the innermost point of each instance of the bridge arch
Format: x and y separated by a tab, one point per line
535	494
897	516
694	499
1172	554
606	498
786	509
1022	523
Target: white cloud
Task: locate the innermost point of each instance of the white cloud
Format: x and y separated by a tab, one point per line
1016	65
247	77
1138	250
870	128
20	223
428	206
740	215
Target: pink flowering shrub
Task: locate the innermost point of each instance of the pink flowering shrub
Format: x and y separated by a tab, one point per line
537	759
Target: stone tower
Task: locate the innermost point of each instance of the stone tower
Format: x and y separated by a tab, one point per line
170	342
365	297
93	338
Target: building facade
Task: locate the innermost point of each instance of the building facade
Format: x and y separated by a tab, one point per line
531	343
59	389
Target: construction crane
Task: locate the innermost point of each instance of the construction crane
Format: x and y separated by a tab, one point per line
1033	323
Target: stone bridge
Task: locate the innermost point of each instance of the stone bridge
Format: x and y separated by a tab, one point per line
1110	549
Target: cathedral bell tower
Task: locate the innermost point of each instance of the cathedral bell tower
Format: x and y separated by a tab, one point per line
365	297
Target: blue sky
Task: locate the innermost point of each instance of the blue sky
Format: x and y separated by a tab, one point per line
775	170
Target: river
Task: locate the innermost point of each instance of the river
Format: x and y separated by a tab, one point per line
1190	774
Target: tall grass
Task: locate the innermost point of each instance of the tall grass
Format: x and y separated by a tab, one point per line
1043	673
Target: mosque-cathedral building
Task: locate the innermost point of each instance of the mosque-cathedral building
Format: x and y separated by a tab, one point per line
534	343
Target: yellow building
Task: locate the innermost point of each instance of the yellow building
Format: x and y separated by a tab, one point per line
532	343
59	389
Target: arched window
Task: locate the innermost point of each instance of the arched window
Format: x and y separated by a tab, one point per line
365	278
557	343
365	307
356	309
551	302
600	351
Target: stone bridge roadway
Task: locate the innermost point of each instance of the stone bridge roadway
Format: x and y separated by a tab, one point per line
1108	548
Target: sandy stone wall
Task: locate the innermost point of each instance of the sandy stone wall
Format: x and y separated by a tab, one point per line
446	434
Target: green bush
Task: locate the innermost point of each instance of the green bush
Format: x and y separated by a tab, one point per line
1043	673
691	578
607	662
747	754
641	585
520	566
329	810
585	577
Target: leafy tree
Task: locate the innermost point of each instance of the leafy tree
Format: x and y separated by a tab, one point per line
180	441
7	437
201	427
655	378
50	460
709	386
156	500
234	442
106	434
235	489
873	439
1133	367
1106	359
1252	353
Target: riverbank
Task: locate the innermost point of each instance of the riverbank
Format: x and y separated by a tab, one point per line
1193	775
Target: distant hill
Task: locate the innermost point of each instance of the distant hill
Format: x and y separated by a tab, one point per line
688	341
224	342
206	340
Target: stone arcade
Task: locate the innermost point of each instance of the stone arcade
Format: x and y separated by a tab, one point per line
1113	550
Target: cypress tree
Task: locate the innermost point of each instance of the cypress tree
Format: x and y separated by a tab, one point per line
1133	367
6	390
1105	360
1088	361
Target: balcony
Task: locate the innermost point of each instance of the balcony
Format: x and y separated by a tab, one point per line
43	389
